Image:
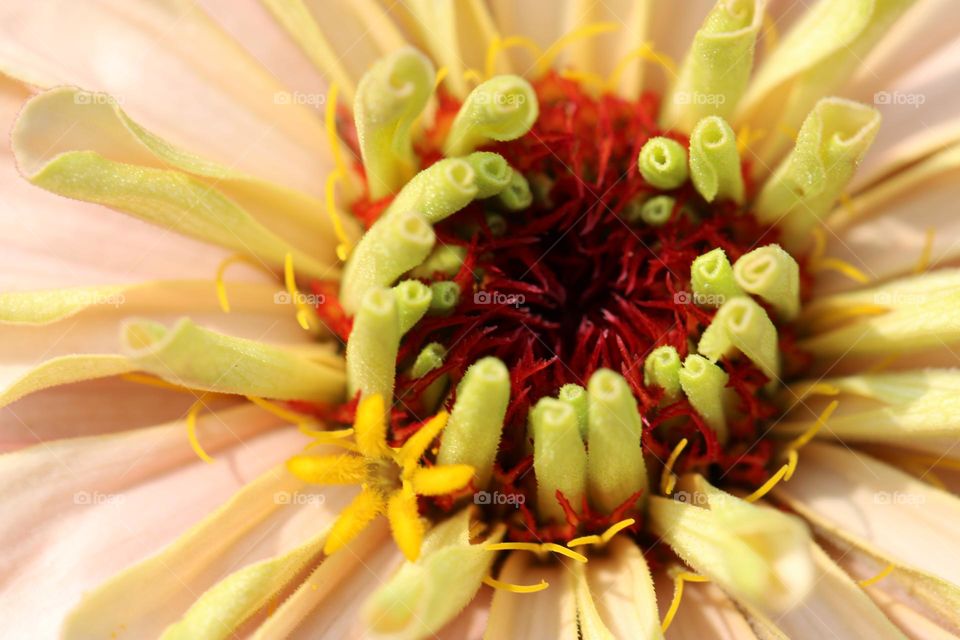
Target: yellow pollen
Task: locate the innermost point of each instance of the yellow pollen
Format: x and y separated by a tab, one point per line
643	52
192	429
221	270
819	244
678	581
515	588
441	76
924	262
584	540
840	266
877	578
343	247
818	389
792	458
835	317
497	45
771	35
545	61
279	411
808	435
341	172
303	423
290	280
769	484
668	479
537	548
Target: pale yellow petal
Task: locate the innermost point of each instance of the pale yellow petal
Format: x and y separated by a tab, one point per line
551	613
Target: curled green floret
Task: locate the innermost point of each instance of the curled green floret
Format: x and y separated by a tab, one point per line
615	466
704	383
438	191
430	358
576	397
663	163
373	345
445	297
445	259
472	435
517	196
502	108
773	275
389	98
657	210
712	280
662	369
493	174
392	246
742	324
715	161
413	299
559	457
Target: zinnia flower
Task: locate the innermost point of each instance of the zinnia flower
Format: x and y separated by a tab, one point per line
579	323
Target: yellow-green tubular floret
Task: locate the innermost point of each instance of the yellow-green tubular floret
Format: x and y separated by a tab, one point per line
663	163
502	108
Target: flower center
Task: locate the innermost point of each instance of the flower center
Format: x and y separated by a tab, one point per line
590	270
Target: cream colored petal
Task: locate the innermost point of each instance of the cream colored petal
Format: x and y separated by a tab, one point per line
905	316
551	613
671	33
919	113
836	607
621	589
269	516
885	513
885	231
911	615
175	72
50	241
83	146
705	612
95	505
824	47
337	613
913	409
471	622
530	20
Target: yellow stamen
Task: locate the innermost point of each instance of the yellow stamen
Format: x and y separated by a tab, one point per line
835	317
221	270
771	37
819	244
584	540
536	548
792	458
614	529
585	77
474	75
644	52
497	45
678	581
142	378
343	247
840	266
290	280
581	33
818	389
371	426
441	76
924	262
769	484
192	429
341	171
746	136
808	435
515	588
847	203
277	410
877	578
668	479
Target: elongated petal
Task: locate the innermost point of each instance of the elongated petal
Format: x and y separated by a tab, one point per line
328	469
416	446
715	72
354	519
229	365
758	555
551	613
17	381
405	522
442	479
